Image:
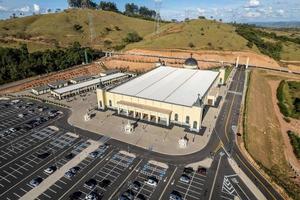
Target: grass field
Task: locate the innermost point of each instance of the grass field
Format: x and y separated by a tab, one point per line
263	137
96	27
202	34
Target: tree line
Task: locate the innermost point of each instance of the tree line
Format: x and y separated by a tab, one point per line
17	64
131	9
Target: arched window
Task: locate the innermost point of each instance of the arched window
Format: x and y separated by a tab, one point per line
187	119
100	104
176	117
195	125
110	104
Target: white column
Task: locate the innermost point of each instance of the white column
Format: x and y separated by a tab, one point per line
237	61
247	64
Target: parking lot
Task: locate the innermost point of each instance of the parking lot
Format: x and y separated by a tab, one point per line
192	190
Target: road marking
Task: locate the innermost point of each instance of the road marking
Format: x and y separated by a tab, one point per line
86	174
168	183
257	178
125	179
212	188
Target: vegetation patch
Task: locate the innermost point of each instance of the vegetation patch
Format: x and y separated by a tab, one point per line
288	95
295	142
17	64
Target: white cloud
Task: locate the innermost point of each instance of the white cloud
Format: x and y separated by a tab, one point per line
252	4
22	9
36	8
252	14
2	8
280	12
201	11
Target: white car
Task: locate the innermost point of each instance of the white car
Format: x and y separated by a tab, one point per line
36	181
50	169
152	181
12	130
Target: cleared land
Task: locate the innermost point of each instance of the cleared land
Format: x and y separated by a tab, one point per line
264	138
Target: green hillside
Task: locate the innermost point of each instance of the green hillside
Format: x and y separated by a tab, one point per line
100	29
195	34
107	30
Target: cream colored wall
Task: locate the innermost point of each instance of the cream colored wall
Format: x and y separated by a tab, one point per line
193	112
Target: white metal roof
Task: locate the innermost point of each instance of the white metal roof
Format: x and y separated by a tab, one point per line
84	84
77	86
172	85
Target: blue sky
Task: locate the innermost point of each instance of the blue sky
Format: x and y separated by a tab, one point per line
228	10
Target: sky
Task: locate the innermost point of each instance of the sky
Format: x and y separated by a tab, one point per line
227	10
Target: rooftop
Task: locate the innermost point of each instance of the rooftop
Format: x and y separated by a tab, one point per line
87	83
171	85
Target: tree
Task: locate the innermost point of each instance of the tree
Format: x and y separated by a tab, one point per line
131	9
191	45
132	37
108	6
201	17
74	3
146	12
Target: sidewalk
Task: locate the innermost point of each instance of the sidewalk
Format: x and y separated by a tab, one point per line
37	191
257	193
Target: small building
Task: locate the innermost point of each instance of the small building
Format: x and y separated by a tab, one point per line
58	84
109	72
80	79
89	85
41	90
191	63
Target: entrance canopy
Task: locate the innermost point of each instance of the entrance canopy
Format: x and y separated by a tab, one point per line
143	108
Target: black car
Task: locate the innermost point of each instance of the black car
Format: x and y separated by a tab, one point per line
202	170
140	197
69	156
136	185
175	195
91	183
104	183
188	170
43	155
75	195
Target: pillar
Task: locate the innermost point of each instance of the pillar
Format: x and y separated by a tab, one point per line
247	64
156	119
237	61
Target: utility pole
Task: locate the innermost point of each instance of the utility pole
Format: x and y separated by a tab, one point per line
157	15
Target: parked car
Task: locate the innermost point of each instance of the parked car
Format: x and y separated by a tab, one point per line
93	196
202	170
188	170
70	156
43	155
136	185
127	195
175	195
151	181
76	195
140	197
36	181
12	130
94	154
105	183
91	184
69	174
50	169
185	178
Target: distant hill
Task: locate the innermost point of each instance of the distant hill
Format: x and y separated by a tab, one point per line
99	29
107	30
290	24
195	34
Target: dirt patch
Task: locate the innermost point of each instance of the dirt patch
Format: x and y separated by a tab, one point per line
207	59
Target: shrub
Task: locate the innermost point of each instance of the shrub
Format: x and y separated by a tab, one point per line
77	27
191	45
132	37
